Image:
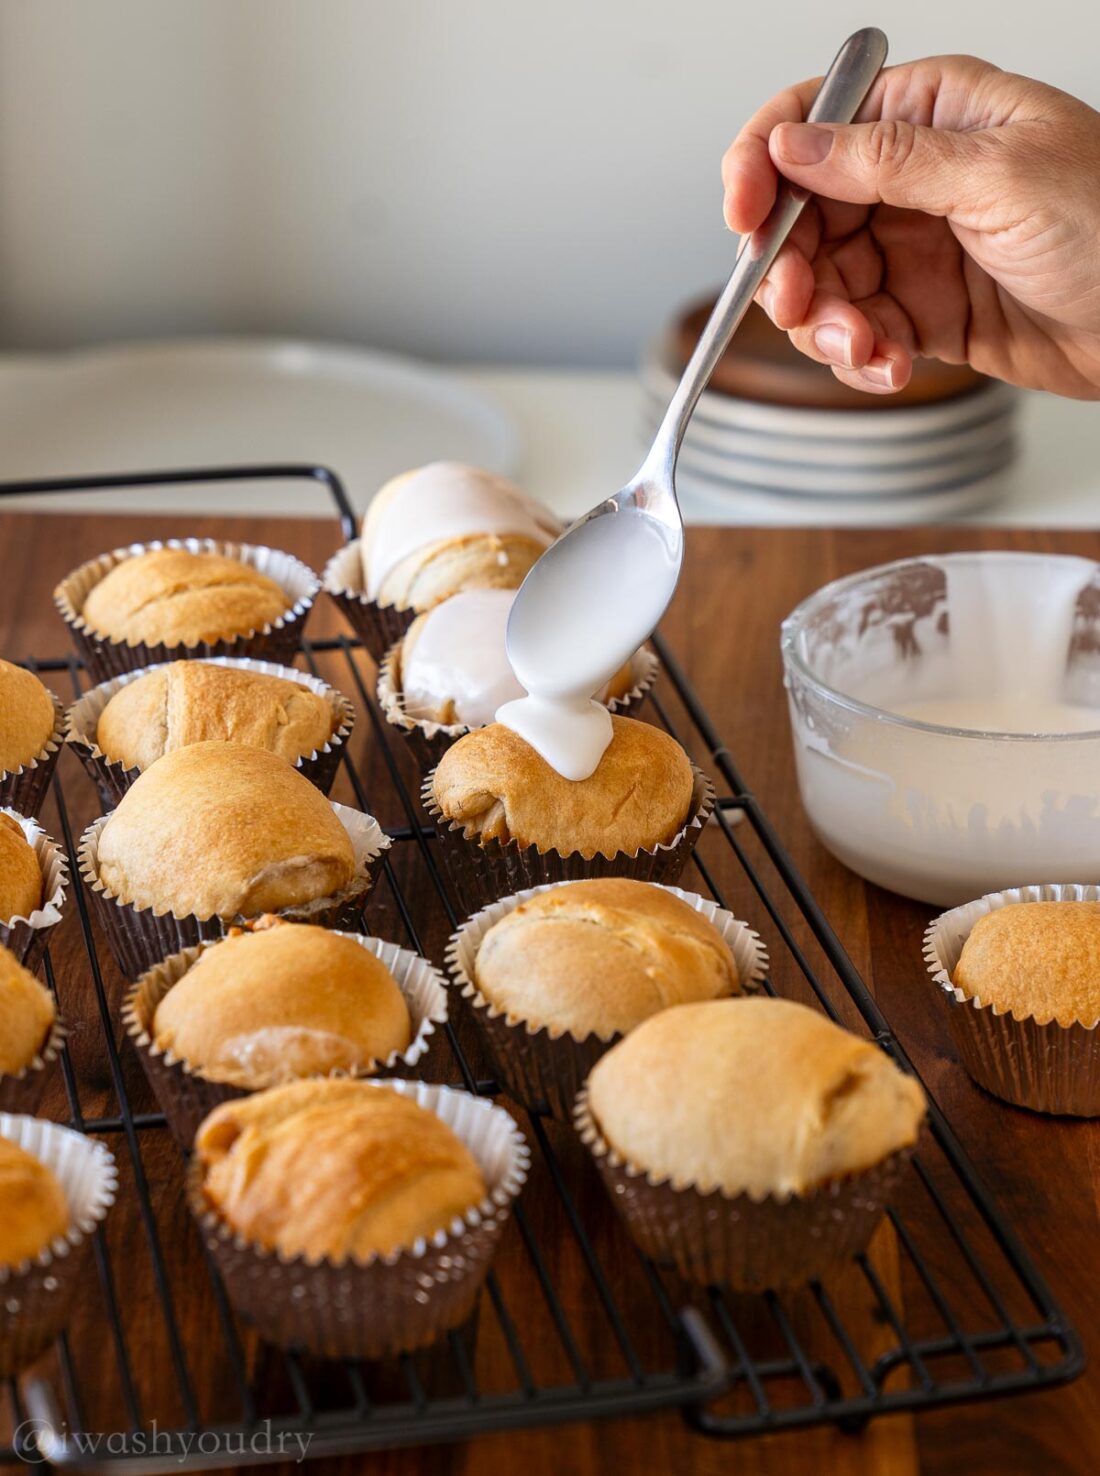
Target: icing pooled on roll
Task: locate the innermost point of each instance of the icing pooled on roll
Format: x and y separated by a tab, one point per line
445	527
454	665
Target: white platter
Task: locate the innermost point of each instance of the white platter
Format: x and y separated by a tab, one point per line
704	500
205	402
756	474
804	451
851	425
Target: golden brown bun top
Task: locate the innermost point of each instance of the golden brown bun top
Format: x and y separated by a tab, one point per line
287	1001
1036	959
174	597
601	956
220	829
335	1169
188	702
754	1094
26	1015
20	873
497	787
33	1211
27	717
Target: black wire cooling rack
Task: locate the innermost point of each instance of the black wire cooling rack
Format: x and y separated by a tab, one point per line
945	1307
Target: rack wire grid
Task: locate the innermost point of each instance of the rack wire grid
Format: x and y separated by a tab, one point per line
574	1324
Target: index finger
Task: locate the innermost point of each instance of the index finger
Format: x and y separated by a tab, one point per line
748	174
953	92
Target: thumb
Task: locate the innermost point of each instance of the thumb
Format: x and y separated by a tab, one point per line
890	161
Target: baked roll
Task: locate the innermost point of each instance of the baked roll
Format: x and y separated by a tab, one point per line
283	1002
27	717
173	597
1038	960
33	1210
496	787
218	829
600	956
452	666
754	1095
334	1169
20	874
189	702
27	1014
447	527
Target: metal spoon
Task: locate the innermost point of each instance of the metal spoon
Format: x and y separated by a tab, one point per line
560	585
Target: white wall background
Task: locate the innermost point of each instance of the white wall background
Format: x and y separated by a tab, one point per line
481	179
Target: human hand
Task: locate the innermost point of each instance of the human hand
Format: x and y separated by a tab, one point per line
957	219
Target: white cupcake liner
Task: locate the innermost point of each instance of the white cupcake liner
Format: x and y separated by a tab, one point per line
21	1091
276	641
27	937
36	1296
377	626
748	1243
543	1069
481	872
186	1096
24	789
140	937
1032	1063
112	779
429	740
384	1305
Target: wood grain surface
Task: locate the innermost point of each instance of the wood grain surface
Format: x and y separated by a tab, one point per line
723	626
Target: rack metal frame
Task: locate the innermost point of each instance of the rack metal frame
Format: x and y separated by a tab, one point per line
708	1370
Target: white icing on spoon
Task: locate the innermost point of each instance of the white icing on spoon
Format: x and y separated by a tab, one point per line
580	622
441	501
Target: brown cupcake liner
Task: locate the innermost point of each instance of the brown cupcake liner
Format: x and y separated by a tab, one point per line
377	626
140	937
186	1096
385	1305
480	872
748	1244
277	641
21	1091
428	741
24	789
36	1296
544	1070
112	779
27	937
1032	1063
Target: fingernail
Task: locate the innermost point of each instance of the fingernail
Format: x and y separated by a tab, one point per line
767	299
834	342
726	209
802	143
881	372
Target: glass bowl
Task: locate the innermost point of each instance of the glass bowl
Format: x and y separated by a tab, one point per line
948	809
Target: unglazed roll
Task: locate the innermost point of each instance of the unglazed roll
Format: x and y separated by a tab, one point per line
185	702
335	1169
496	787
217	829
174	596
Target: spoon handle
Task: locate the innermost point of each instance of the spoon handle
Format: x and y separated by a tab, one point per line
846	84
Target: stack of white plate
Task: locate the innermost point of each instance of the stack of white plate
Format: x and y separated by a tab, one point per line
787	464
